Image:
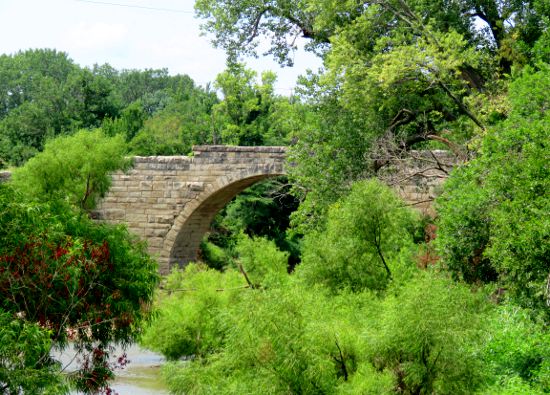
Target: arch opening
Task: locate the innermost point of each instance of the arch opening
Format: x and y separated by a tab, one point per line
193	223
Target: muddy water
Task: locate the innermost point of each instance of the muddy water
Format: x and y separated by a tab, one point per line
140	377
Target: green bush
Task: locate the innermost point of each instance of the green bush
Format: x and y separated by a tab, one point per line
428	335
517	353
263	263
25	366
214	256
188	318
280	340
365	233
75	169
423	337
61	271
493	214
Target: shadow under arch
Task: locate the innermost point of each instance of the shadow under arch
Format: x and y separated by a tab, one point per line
182	242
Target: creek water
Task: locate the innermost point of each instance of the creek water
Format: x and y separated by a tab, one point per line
141	376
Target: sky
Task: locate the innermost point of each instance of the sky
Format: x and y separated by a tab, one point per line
128	37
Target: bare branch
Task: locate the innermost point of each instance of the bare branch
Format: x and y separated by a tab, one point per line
342	361
254	29
461	105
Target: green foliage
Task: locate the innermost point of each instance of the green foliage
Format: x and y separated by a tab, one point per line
91	99
463	231
428	336
25	366
517	354
365	232
423	338
189	319
263	210
174	129
493	222
213	255
328	155
244	116
44	94
61	271
73	168
129	122
510	28
398	75
162	134
237	25
275	343
265	265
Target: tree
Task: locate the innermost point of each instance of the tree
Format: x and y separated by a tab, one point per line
509	29
492	225
64	274
129	122
176	128
242	117
189	320
91	99
428	336
238	24
365	232
399	75
33	100
73	168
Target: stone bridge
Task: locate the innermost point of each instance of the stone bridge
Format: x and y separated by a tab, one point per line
170	201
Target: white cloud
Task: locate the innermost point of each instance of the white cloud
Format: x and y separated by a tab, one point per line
187	54
95	36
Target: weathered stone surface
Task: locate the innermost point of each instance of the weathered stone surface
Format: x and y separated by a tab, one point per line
170	201
4	176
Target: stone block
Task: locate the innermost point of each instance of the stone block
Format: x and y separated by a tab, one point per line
146	185
195	186
155	242
177	185
160	220
136	217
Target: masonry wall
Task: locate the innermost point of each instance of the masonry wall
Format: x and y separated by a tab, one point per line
419	176
170	201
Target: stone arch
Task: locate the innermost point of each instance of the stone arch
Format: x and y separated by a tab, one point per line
182	242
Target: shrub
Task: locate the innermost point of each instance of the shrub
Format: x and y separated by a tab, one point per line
493	222
63	272
75	169
365	233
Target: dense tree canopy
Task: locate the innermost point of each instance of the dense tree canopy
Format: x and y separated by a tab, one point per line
494	222
350	294
398	75
509	28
